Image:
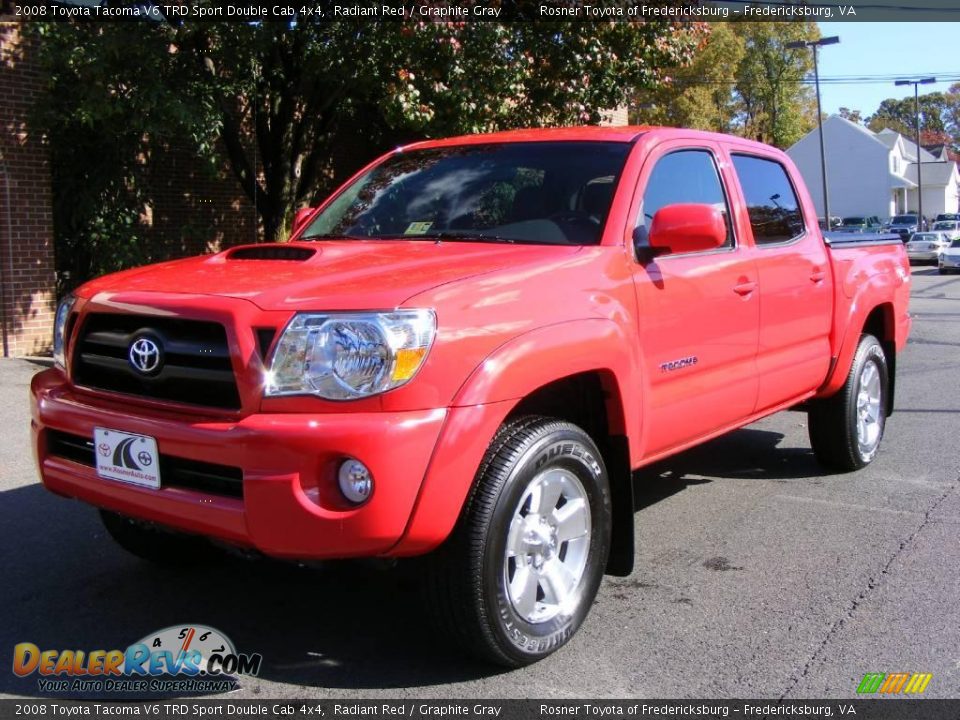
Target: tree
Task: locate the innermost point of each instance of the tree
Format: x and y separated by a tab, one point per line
853	116
701	94
939	113
277	96
743	80
777	107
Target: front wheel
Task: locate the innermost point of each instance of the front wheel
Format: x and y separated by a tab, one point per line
517	577
846	429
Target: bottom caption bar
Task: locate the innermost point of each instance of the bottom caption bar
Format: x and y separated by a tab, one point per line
893	709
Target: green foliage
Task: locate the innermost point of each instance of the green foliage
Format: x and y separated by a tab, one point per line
699	95
743	80
777	107
939	117
853	116
277	98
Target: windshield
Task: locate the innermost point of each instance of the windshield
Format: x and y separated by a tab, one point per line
853	221
945	226
535	192
925	236
903	220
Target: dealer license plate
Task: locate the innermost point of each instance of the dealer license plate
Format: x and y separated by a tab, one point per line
127	457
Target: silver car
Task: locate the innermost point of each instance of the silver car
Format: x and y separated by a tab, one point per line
950	228
950	258
927	246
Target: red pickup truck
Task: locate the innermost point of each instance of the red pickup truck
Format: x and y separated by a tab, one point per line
464	353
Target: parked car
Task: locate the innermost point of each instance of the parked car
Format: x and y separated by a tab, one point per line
465	352
950	258
927	246
904	226
860	224
950	228
835	222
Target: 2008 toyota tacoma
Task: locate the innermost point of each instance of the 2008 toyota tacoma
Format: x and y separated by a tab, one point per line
464	352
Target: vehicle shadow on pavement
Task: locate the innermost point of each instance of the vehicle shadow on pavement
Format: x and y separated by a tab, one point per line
743	454
337	625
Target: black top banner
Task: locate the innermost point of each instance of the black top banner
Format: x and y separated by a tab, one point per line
482	11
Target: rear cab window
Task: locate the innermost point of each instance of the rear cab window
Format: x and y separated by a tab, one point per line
772	204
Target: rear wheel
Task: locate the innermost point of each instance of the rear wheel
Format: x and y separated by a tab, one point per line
846	429
153	543
517	577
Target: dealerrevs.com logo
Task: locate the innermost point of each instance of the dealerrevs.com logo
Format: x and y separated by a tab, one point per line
180	658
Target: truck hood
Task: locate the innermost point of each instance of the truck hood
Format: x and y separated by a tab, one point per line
327	275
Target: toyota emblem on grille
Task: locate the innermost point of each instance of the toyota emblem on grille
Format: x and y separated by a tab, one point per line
144	355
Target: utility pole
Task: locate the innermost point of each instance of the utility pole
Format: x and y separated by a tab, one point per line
916	109
813	45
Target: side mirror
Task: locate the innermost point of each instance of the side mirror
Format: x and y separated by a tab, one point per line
300	218
687	228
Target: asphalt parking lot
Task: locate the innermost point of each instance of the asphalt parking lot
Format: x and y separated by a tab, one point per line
757	575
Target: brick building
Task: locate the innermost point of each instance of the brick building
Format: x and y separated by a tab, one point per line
193	209
26	225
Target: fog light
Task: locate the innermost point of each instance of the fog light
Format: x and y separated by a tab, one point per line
356	482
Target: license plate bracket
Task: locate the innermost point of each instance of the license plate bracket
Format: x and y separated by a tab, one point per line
127	457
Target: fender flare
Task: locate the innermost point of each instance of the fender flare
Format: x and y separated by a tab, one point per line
489	394
852	328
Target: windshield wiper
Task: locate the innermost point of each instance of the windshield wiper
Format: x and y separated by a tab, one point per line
335	236
452	235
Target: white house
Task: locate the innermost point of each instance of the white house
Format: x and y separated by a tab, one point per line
874	173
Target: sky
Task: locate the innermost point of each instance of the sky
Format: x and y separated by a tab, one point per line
885	48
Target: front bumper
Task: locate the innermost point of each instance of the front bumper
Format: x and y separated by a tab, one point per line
952	263
290	504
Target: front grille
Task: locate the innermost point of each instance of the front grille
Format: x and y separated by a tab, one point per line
174	472
195	369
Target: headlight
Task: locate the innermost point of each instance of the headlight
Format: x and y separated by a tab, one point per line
347	356
59	326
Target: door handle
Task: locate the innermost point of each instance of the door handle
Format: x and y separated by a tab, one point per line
818	275
745	288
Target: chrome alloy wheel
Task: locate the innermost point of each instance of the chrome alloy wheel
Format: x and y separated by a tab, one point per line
869	418
547	546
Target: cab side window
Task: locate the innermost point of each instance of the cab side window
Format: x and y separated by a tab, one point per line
685	176
772	204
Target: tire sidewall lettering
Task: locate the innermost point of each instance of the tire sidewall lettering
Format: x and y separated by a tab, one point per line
573	455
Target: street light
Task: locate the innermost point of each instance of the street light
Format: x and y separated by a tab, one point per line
916	108
813	45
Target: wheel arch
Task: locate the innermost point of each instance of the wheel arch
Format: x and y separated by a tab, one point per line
546	367
879	321
592	400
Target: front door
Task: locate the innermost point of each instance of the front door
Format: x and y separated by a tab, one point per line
698	312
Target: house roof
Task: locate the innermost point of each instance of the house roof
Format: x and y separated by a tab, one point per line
938	151
909	148
934	173
901	182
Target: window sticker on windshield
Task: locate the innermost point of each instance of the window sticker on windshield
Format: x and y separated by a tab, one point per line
417	228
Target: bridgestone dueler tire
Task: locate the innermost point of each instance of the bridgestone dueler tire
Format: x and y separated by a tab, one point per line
156	544
832	422
466	580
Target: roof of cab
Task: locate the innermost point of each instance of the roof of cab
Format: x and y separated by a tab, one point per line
624	134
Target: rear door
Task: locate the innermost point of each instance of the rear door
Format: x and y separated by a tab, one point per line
796	297
698	312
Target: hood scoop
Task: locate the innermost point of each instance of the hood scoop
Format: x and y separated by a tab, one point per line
271	252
